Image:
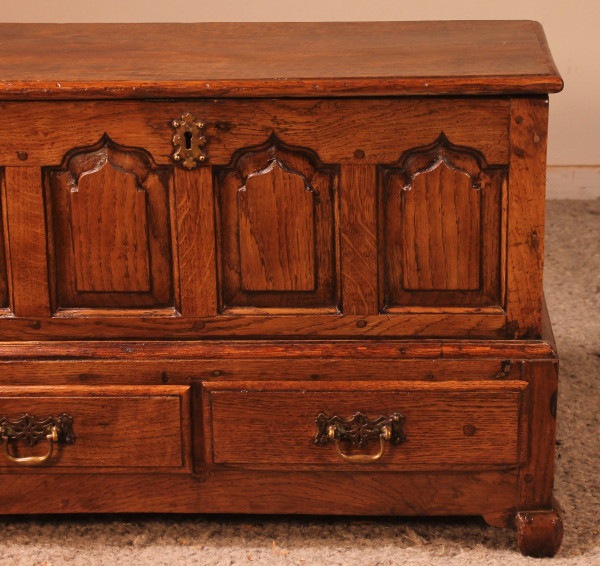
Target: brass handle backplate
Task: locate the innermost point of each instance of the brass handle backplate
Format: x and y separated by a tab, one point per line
358	430
30	430
188	141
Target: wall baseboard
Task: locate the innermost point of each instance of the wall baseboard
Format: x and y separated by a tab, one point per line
580	182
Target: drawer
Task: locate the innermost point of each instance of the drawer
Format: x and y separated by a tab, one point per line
407	426
120	428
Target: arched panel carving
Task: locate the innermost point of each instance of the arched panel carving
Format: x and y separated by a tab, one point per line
111	229
441	236
423	160
277	217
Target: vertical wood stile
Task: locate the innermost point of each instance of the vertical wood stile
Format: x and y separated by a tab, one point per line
526	202
358	240
27	241
536	478
4	267
196	241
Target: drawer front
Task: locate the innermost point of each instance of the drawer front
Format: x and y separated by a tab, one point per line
431	425
95	428
353	217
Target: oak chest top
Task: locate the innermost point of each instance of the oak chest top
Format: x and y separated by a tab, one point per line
58	61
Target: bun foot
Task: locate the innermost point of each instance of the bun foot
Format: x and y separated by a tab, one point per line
539	533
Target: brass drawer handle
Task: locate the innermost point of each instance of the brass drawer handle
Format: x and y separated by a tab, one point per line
358	430
359	458
30	460
188	140
31	430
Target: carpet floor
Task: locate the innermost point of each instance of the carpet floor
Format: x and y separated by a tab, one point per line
573	292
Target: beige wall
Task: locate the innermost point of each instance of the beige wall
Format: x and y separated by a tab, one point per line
572	27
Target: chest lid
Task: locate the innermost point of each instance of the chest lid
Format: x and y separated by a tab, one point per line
60	61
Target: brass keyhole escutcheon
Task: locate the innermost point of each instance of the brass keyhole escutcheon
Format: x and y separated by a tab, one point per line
188	141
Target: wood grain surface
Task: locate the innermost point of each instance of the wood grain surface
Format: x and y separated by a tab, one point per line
111	231
266	348
453	209
526	216
91	325
196	240
340	130
536	479
356	493
114	427
170	267
272	424
281	59
278	226
453	258
349	243
111	371
4	277
358	239
27	241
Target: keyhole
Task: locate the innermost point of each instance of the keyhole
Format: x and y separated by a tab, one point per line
188	140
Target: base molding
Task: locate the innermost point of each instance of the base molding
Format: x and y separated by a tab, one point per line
259	492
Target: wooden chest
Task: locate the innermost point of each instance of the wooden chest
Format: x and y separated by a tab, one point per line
277	268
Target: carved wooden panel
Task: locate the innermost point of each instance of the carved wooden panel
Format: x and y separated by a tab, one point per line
453	210
279	203
111	229
4	299
277	229
441	228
